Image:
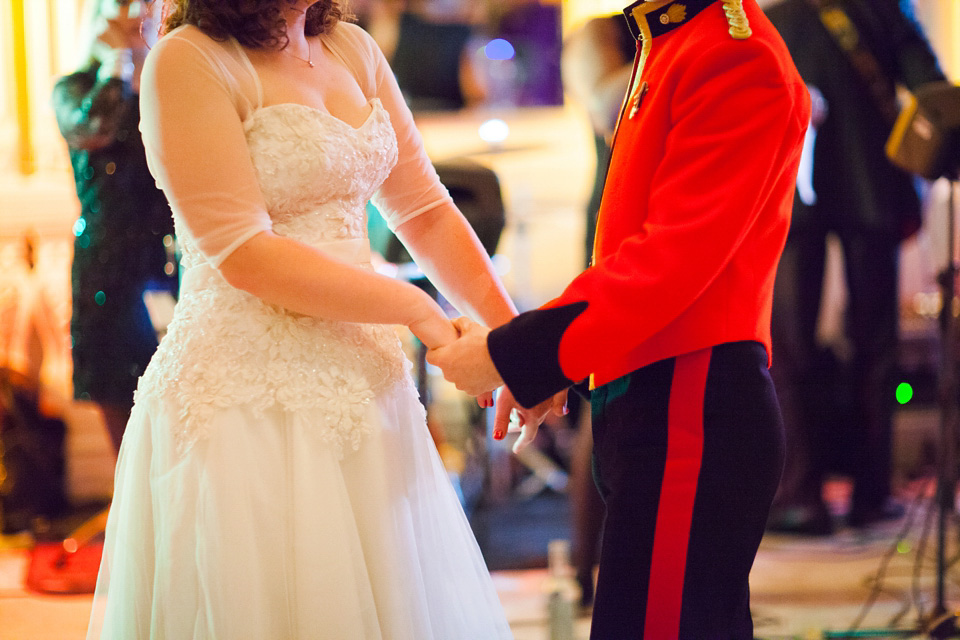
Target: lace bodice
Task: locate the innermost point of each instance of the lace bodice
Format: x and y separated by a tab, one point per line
316	173
226	347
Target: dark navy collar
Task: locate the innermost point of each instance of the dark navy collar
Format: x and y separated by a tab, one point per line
657	17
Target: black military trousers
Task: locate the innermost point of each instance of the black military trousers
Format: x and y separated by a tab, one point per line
688	453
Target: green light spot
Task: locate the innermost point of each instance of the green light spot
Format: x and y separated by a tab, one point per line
101	297
904	392
903	547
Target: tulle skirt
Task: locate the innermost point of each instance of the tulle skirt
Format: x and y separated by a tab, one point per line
259	531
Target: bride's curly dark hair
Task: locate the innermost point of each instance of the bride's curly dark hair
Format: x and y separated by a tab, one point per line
254	23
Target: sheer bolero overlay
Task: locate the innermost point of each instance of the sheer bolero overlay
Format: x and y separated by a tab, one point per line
198	103
232	168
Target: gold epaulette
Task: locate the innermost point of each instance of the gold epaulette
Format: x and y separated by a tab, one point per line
648	19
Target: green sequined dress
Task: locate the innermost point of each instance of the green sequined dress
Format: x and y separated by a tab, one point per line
123	238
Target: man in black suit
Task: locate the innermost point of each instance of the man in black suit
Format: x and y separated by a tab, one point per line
853	52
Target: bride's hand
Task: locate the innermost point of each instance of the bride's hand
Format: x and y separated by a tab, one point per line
510	416
466	362
432	327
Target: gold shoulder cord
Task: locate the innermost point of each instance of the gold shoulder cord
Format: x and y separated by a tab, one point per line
737	19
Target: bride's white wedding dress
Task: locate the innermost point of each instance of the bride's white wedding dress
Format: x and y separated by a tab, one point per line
277	480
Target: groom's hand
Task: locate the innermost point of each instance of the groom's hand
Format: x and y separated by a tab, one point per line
466	361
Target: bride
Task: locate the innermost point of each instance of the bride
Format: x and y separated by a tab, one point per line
276	479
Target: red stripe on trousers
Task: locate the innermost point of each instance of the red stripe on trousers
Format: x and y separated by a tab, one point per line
677	495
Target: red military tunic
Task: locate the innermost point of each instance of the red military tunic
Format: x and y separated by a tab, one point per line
695	210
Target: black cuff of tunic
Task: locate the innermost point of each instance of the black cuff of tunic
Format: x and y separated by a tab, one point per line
526	352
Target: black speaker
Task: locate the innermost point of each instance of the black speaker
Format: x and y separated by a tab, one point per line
926	137
475	190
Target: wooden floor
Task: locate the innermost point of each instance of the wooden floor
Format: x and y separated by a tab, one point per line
802	588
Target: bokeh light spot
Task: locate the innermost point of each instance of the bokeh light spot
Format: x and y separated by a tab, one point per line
904	392
494	131
499	49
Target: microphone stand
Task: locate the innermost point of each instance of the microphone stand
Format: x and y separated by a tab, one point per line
943	623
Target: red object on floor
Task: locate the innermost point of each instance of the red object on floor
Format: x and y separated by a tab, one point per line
52	570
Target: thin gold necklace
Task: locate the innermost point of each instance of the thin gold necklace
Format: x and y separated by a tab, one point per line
308	59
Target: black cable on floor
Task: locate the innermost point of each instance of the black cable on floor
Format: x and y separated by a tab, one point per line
877	587
921	550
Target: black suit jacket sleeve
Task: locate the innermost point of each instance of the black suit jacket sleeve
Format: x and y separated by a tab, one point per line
899	43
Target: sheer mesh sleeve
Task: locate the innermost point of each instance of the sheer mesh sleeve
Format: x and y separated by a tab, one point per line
196	148
413	186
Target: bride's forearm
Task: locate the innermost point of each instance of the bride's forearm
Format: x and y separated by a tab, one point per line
303	279
449	253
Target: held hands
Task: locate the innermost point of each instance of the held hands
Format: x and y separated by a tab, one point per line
435	330
124	33
120	24
466	362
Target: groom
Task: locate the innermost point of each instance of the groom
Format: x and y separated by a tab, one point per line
671	324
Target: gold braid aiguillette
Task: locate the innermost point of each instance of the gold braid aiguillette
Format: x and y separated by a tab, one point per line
737	19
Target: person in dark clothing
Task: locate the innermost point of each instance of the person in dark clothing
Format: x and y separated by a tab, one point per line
124	236
871	206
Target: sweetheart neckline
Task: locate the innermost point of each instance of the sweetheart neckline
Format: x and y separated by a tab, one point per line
375	103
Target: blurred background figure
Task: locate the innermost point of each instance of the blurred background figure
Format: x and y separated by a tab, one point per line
35	330
453	54
426	44
596	62
124	242
853	53
32	435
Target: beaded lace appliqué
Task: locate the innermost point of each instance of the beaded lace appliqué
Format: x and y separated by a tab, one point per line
226	347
